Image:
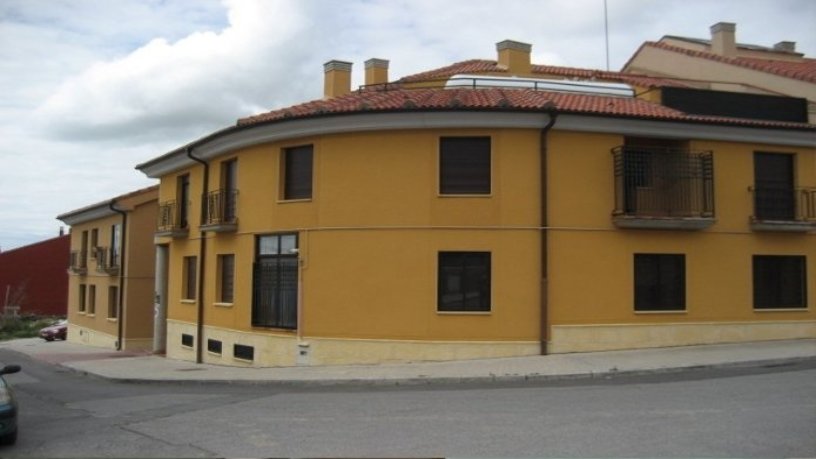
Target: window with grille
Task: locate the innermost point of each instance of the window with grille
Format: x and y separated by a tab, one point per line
275	281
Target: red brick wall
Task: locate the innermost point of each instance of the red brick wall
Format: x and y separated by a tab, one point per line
43	267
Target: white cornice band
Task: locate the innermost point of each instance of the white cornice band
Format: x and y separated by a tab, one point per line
357	122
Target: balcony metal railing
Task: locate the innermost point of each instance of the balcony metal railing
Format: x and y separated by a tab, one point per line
107	260
172	218
663	183
78	263
784	204
220	209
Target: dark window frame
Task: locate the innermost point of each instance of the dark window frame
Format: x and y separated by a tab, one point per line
226	278
297	166
243	352
189	276
275	281
187	340
779	282
464	281
659	282
465	166
113	302
214	346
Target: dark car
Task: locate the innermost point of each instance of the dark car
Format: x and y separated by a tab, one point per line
8	408
57	331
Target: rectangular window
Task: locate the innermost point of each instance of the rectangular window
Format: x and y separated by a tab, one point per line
660	282
183	200
229	185
82	298
94	241
774	194
464	280
240	351
83	255
275	281
214	346
297	172
113	302
226	278
116	242
779	282
92	299
464	165
186	340
189	278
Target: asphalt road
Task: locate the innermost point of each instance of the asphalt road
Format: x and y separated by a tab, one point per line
739	411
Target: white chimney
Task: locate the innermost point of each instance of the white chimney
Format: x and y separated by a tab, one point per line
723	39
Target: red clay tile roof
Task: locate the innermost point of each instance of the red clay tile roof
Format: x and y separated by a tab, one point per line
804	70
494	99
480	66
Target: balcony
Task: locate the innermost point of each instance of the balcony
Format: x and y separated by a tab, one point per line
78	263
172	220
107	261
663	188
219	211
784	209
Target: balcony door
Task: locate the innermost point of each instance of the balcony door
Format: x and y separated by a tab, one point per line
773	182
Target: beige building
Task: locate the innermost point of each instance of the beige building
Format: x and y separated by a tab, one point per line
720	63
111	273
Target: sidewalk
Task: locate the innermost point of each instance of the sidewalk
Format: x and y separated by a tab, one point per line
136	367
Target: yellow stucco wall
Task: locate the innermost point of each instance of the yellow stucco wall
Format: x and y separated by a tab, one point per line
370	235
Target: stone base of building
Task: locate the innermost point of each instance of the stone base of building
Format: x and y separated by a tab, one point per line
91	337
284	349
591	338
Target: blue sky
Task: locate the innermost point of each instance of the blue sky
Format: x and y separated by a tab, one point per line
90	88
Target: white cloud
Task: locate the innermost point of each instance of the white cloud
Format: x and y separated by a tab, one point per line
93	87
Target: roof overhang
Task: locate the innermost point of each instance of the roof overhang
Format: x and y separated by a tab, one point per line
86	214
231	139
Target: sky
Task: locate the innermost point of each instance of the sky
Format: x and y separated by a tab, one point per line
90	88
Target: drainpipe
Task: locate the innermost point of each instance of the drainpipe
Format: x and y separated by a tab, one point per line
544	224
202	256
120	307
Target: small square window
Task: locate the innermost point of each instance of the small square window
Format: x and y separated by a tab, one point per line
214	346
660	282
779	282
186	340
243	352
464	280
464	165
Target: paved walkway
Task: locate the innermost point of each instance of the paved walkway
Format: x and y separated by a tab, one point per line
144	367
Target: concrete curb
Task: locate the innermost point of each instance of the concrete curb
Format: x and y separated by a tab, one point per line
449	381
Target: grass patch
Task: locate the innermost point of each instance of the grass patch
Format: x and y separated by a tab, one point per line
24	326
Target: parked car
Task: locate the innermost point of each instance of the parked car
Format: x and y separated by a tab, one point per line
57	331
8	408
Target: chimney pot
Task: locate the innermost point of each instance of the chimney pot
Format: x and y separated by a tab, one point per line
376	71
515	57
336	78
723	39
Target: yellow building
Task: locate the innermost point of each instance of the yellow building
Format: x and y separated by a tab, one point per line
111	273
484	209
